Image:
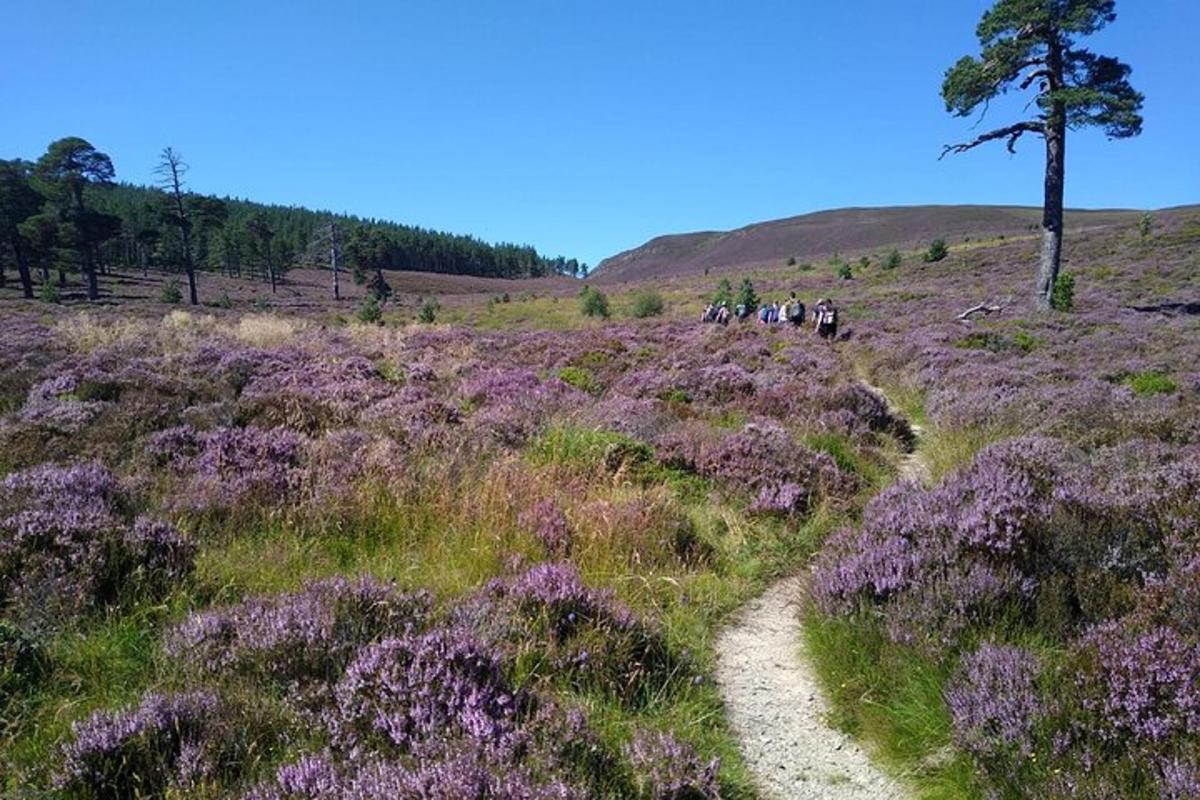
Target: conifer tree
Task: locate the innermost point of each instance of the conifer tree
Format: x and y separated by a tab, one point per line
1032	44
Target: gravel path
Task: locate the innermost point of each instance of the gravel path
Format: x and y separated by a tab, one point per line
775	703
777	709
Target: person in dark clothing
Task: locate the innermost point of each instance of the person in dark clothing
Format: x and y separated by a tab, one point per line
825	319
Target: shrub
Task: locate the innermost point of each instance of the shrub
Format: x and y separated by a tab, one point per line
936	252
994	703
1063	296
791	262
845	271
646	303
370	311
667	769
177	742
724	293
746	296
171	293
561	630
403	692
1145	224
593	303
48	293
299	641
68	544
429	311
893	260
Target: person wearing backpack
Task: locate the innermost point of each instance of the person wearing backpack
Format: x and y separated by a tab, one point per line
825	319
795	311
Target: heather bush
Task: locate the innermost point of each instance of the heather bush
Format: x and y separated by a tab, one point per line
69	544
548	523
667	769
403	694
230	469
169	742
547	623
994	702
300	642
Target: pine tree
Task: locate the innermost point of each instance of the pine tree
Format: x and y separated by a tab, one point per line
1027	43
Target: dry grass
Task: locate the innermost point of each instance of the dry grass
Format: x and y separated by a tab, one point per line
267	330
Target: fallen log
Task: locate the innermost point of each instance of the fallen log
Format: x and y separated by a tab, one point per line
982	308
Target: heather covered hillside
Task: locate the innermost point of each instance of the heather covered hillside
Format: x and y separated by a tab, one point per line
817	236
279	555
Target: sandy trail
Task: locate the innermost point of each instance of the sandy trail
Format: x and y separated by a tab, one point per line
775	703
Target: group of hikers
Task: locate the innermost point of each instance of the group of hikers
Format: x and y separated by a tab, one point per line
824	318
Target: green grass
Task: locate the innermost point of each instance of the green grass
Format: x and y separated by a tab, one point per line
890	698
1151	383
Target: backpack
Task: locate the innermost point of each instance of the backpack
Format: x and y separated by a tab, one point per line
828	316
797	312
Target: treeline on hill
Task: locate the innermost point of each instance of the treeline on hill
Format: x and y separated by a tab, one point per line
65	213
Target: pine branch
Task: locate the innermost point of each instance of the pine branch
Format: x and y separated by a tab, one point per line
1012	133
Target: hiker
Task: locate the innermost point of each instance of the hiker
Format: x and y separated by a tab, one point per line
741	312
723	314
795	313
707	316
825	319
764	314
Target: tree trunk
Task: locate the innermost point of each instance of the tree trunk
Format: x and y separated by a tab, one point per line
191	276
23	269
1052	209
270	268
333	261
93	285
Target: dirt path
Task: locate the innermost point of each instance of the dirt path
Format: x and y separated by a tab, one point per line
776	706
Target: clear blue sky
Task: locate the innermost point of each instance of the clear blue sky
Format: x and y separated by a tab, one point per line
582	128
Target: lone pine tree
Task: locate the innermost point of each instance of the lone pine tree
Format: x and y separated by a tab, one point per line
1031	43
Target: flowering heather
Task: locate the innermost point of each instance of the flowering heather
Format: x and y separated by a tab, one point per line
230	467
1179	779
311	394
464	776
667	769
415	691
1143	686
547	521
67	544
993	701
581	634
302	641
167	742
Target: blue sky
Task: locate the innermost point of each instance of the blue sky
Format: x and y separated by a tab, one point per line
581	128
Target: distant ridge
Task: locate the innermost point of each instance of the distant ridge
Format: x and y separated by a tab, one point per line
821	234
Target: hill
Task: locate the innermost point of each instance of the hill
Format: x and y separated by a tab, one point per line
821	234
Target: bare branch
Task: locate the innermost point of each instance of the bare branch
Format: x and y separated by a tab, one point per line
1012	133
1033	76
982	308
